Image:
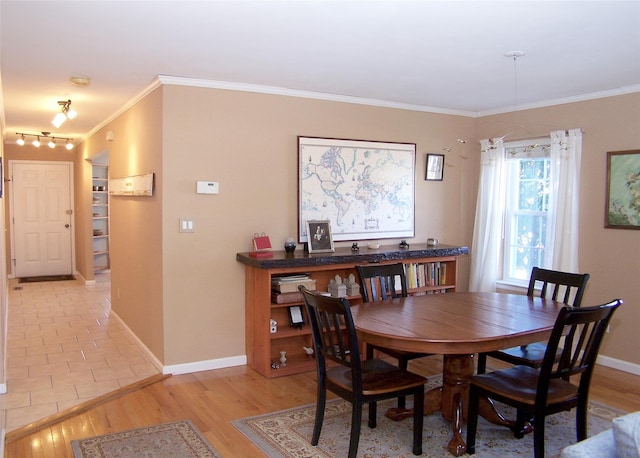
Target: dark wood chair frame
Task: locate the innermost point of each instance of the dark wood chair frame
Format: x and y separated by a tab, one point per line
359	382
379	283
533	354
539	393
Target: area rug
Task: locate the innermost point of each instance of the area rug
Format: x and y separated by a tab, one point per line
287	433
46	278
178	439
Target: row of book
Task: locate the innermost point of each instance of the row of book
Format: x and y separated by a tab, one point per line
426	274
284	290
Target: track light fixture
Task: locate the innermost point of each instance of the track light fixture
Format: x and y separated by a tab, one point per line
51	140
65	113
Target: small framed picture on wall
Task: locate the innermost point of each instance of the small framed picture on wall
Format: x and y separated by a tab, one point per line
435	167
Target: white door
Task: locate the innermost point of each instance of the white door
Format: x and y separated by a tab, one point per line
41	217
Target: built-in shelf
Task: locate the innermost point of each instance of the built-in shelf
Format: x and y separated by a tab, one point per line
432	270
100	216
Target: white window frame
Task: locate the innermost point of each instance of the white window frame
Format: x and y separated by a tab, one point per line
531	148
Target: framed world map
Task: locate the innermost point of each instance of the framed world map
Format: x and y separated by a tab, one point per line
366	189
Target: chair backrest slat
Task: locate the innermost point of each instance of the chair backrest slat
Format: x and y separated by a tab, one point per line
379	281
584	328
572	283
333	331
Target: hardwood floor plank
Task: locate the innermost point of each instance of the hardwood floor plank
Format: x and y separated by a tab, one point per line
213	399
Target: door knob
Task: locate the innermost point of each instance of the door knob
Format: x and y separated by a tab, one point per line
67	226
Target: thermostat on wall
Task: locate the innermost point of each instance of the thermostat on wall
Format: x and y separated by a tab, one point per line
207	187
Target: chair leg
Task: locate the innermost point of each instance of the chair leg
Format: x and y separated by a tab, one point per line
538	437
418	420
373	414
482	363
356	419
403	363
320	405
369	351
521	418
581	420
472	420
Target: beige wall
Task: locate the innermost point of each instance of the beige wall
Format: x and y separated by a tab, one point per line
183	294
248	143
611	256
136	229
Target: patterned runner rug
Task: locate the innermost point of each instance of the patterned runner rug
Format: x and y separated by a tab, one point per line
287	433
178	439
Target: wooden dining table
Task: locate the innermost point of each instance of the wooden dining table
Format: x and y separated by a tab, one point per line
458	326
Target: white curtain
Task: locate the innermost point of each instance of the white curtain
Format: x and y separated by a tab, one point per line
488	228
563	222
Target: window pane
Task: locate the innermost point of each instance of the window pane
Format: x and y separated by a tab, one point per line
528	239
533	184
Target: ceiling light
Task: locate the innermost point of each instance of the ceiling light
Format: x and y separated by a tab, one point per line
51	139
65	112
80	81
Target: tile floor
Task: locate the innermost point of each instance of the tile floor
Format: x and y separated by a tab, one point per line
63	349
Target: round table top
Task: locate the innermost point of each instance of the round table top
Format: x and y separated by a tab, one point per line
456	323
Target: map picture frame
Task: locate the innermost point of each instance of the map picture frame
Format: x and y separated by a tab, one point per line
366	189
622	205
321	241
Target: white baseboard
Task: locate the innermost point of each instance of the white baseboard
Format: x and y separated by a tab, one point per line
619	364
208	365
185	368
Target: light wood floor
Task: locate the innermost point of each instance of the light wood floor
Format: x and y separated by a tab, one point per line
212	399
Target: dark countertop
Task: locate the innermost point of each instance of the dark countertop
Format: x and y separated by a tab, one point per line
300	258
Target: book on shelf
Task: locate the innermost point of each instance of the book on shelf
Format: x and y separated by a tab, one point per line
290	283
285	298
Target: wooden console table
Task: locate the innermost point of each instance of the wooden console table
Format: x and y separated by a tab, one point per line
263	347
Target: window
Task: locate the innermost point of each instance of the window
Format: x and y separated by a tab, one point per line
526	209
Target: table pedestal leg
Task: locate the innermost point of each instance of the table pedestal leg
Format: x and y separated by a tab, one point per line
456	373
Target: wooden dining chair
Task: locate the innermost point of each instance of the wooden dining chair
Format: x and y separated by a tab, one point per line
539	393
379	282
359	382
547	284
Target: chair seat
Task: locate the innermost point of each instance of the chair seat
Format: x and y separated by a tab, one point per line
378	377
521	382
530	355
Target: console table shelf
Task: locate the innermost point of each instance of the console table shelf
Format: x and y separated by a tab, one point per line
263	347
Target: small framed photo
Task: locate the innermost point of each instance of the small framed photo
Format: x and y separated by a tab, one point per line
319	237
296	318
435	167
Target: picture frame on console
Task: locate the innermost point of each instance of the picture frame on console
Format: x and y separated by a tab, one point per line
320	239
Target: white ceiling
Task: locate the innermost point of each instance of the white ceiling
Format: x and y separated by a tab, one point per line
442	56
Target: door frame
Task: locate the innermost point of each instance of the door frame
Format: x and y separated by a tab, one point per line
10	226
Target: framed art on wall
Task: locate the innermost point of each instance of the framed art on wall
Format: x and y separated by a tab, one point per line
623	190
365	188
435	167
